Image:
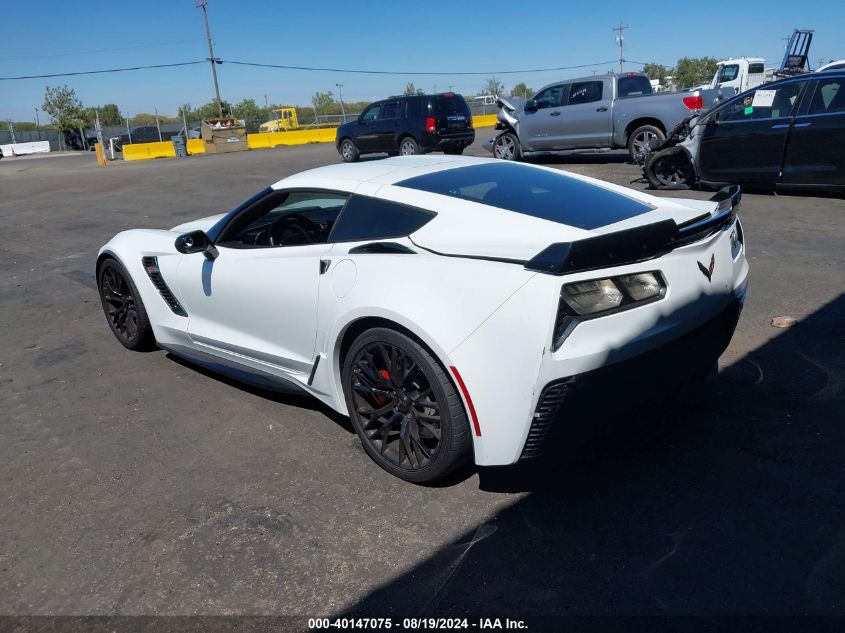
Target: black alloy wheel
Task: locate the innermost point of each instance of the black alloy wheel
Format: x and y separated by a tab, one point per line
670	169
123	307
403	407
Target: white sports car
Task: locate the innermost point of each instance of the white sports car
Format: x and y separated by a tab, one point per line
452	307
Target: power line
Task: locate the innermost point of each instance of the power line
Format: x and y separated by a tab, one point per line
98	72
397	72
313	69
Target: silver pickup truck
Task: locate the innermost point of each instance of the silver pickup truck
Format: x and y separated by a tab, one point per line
606	111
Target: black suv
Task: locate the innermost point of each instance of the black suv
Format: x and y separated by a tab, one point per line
407	126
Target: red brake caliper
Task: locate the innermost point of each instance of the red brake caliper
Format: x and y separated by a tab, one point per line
382	399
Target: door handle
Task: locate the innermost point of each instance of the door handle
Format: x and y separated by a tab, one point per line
780	126
803	124
602	109
555	114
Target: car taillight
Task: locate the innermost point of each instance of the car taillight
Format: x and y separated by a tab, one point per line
694	103
430	124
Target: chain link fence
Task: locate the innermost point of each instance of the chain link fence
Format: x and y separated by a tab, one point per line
148	131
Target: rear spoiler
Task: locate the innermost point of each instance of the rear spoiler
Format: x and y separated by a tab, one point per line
638	244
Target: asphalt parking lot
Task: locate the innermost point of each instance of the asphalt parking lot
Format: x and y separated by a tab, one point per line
136	484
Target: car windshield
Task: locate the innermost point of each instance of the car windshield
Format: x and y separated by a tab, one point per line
536	192
728	73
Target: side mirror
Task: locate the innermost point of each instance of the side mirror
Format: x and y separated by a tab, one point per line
196	242
531	106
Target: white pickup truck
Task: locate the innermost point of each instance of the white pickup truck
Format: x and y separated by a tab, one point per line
739	74
605	111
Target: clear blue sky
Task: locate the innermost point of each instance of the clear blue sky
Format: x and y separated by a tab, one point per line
58	36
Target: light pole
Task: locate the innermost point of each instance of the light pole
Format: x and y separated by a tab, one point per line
201	5
340	97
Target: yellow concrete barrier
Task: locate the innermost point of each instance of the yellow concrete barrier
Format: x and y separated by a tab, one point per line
484	120
260	140
144	151
196	146
294	137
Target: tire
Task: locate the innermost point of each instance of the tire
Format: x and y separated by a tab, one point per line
506	147
123	307
455	151
670	169
408	146
395	418
639	139
348	151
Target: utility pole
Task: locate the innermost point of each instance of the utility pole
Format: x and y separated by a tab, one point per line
340	97
201	5
620	39
158	127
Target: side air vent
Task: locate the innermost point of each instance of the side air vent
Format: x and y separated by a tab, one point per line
548	410
151	266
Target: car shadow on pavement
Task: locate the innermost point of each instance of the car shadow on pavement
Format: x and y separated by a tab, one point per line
733	505
303	401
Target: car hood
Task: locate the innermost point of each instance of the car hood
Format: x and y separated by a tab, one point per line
203	224
509	109
346	128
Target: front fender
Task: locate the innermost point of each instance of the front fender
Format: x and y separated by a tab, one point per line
128	248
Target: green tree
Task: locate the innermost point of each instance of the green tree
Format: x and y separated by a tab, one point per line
655	71
209	110
110	115
692	71
521	90
248	109
187	111
65	108
411	90
324	103
493	87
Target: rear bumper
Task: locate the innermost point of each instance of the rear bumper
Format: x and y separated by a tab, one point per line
510	360
657	371
448	140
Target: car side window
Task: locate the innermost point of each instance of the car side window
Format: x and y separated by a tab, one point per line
762	103
829	97
585	92
371	113
389	110
551	97
285	218
366	218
